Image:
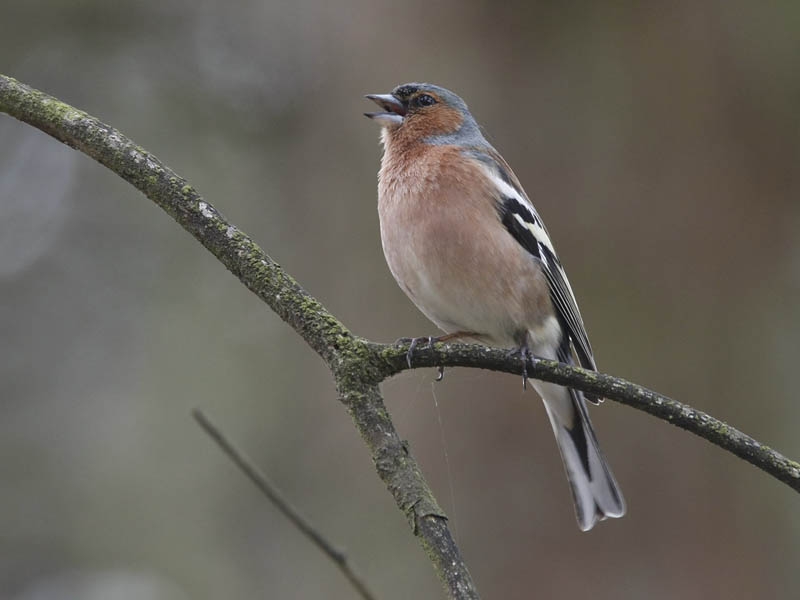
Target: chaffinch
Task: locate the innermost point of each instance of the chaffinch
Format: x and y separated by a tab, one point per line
466	245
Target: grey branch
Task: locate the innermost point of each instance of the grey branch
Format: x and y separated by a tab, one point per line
284	506
606	386
358	366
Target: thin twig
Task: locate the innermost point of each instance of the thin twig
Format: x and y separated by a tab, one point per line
282	504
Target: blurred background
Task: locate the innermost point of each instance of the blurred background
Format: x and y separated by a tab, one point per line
660	143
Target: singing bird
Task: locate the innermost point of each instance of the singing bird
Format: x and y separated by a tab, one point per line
466	245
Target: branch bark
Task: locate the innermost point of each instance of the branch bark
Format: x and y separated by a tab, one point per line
357	365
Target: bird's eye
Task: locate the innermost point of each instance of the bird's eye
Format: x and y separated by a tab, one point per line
425	100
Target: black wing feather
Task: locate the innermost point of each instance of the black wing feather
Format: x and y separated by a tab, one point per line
567	308
523	222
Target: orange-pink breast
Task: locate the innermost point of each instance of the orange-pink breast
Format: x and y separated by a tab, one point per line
448	250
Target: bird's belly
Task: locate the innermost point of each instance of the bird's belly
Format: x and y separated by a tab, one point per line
452	307
471	285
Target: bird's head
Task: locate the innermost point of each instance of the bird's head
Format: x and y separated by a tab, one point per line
422	112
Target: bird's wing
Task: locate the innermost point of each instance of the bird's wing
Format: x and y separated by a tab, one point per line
520	218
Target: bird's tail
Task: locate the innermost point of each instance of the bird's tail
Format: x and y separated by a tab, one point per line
594	489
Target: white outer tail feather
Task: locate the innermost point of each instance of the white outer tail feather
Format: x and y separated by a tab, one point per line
595	492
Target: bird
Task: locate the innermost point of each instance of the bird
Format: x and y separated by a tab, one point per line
464	242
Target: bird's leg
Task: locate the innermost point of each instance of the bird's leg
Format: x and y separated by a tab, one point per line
413	346
452	336
525	354
446	338
456	335
414	342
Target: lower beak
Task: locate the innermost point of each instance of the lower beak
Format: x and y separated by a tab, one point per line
393	109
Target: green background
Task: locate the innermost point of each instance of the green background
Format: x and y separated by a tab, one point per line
659	141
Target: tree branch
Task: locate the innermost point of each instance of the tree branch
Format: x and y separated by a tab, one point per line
357	365
355	368
604	386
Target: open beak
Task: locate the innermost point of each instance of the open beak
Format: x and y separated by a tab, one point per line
393	109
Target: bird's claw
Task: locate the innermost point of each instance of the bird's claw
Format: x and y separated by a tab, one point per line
525	354
413	346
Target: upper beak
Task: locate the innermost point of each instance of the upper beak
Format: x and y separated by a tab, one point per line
394	109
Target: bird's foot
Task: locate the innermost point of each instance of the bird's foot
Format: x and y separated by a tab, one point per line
413	343
525	355
429	342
